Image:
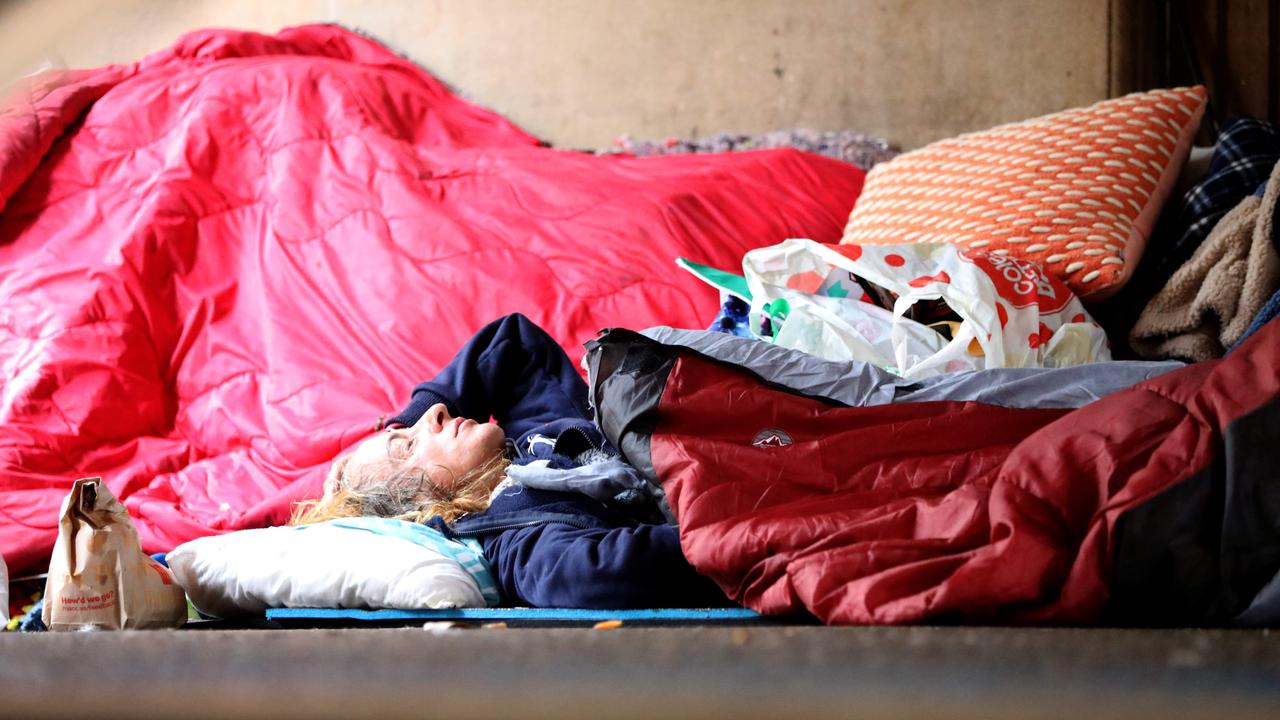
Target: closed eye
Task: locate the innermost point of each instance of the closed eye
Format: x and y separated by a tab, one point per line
399	446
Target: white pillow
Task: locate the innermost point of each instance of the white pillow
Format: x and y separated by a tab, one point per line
373	565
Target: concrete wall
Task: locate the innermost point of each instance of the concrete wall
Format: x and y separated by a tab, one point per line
580	72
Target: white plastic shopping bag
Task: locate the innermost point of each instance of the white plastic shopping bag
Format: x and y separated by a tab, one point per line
1006	312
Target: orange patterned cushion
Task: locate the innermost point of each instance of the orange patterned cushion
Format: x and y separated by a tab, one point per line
1077	191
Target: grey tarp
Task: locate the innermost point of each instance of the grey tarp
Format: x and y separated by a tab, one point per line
859	384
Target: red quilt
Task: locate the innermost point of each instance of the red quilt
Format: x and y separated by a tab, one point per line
220	265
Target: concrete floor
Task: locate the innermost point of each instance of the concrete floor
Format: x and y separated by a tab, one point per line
644	673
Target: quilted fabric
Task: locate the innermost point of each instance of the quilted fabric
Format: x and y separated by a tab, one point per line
221	264
1078	191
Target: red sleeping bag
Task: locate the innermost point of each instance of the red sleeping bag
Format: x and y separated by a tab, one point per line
1155	504
220	265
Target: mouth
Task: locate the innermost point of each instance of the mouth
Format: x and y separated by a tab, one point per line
461	423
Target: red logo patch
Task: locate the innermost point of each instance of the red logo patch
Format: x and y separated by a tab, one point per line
771	437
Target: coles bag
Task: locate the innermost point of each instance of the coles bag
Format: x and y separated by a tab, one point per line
1009	313
98	575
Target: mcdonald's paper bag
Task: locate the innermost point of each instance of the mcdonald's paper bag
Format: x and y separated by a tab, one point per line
98	575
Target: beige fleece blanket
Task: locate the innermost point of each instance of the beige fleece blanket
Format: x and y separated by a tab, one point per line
1209	302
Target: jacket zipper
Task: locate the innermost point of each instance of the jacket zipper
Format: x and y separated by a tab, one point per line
516	525
590	443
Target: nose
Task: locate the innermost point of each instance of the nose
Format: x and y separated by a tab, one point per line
434	419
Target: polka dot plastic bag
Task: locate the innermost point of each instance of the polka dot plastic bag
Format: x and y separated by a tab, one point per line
917	310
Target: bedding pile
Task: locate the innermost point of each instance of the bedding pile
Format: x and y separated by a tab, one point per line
219	265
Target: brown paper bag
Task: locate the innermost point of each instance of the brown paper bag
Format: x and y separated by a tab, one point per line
99	577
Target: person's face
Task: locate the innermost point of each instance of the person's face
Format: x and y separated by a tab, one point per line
444	447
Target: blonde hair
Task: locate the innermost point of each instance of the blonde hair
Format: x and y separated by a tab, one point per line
394	491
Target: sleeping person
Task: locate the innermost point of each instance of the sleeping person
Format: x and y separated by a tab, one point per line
441	461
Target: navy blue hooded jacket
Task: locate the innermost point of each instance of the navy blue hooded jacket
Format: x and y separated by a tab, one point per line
553	549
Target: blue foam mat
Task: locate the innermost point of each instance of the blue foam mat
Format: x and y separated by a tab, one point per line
501	614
